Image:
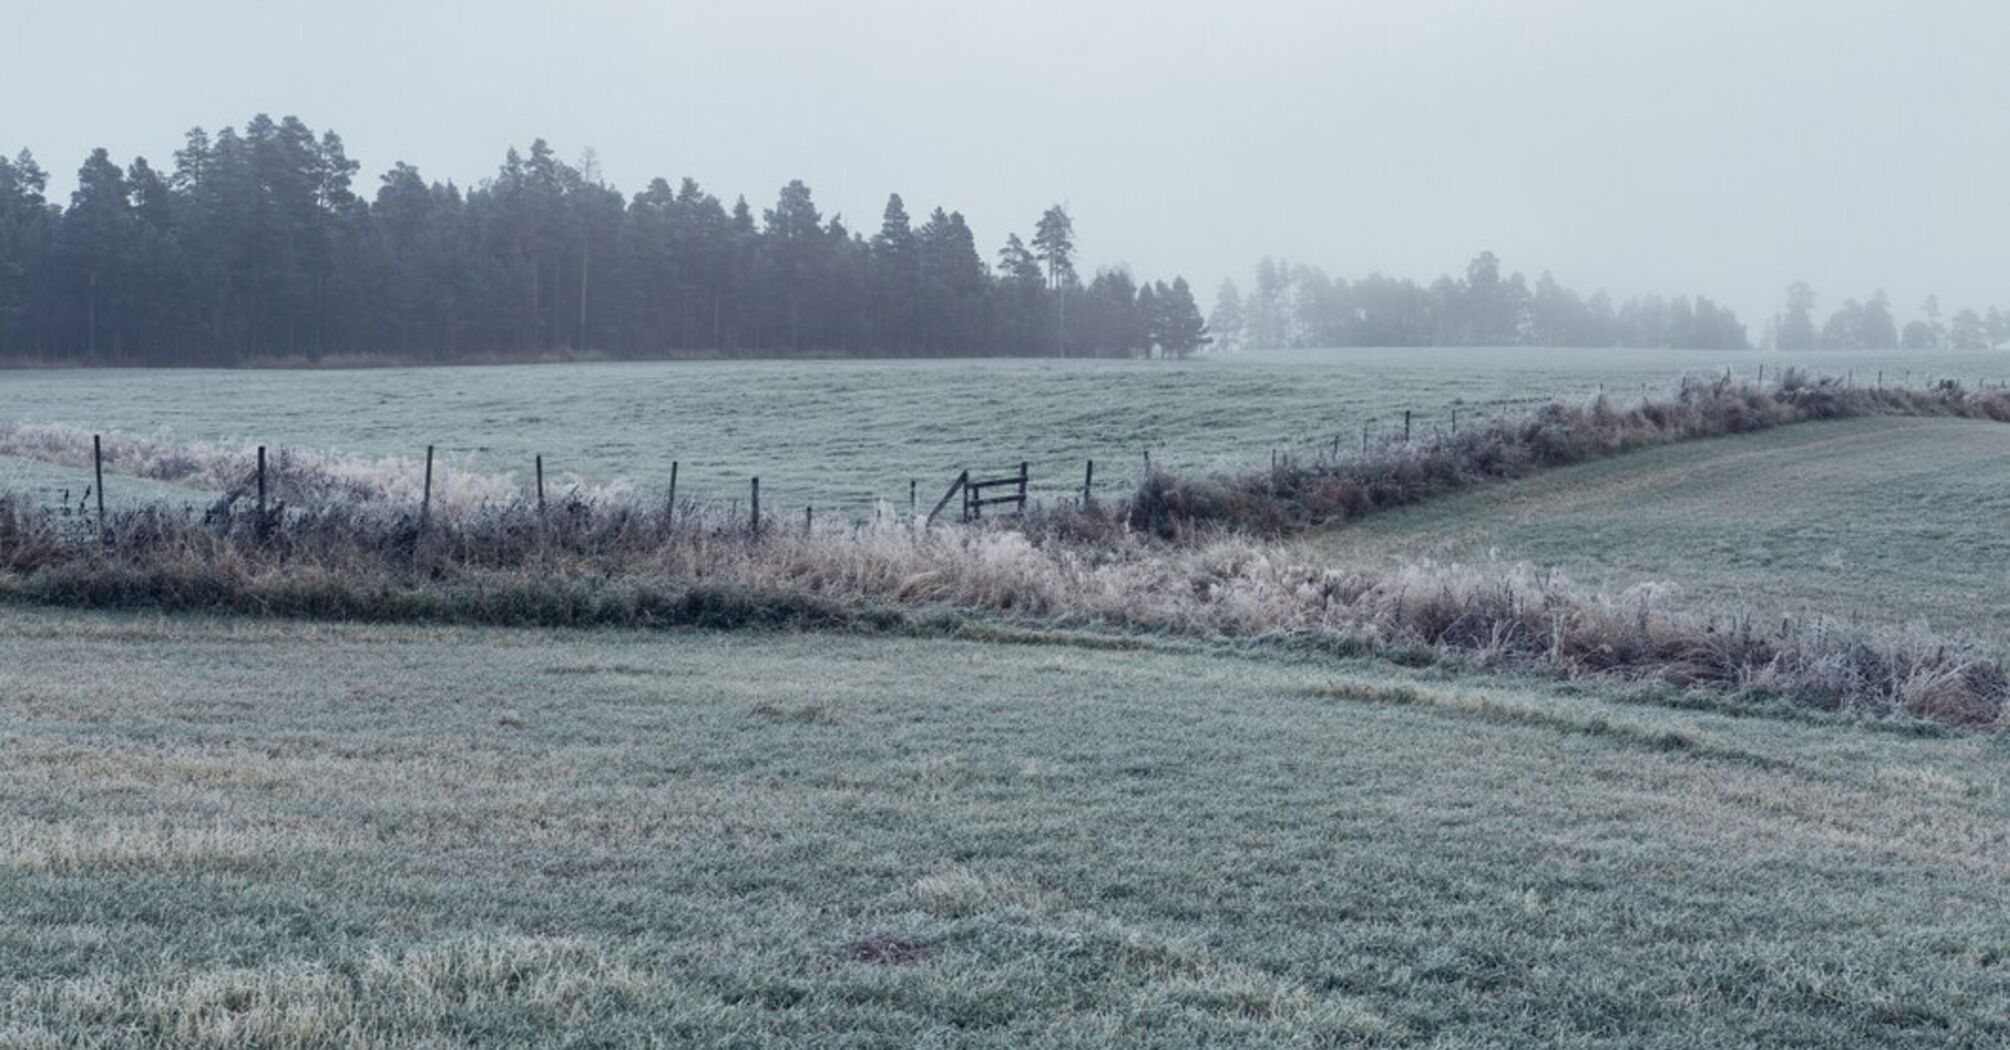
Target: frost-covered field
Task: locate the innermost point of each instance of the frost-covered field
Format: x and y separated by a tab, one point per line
838	434
230	833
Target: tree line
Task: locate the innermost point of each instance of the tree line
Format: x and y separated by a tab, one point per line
258	244
1300	306
1292	305
1870	325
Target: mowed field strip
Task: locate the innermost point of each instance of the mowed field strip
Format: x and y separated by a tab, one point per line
1882	521
238	833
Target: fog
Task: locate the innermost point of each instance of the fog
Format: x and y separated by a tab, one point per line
1725	148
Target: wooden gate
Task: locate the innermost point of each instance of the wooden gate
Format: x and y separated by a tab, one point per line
984	492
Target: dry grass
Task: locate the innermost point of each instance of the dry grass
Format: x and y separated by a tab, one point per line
1330	489
615	561
630	567
294	477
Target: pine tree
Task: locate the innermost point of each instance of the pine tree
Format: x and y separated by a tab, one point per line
1182	332
1796	326
26	225
955	279
1054	245
896	260
97	236
1226	320
1019	317
1017	264
1151	318
1877	330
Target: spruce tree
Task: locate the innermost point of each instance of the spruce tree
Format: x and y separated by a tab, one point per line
1182	332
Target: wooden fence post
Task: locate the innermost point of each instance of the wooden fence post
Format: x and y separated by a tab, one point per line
261	492
808	518
913	499
1406	426
954	488
540	484
1089	485
673	492
426	497
754	505
98	466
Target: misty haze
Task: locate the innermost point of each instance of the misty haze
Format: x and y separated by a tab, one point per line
1107	524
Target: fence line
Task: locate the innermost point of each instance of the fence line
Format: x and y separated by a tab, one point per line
1377	434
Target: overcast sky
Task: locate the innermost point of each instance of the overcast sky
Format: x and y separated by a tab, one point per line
1720	146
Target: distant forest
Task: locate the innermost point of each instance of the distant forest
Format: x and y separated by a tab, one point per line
1869	325
258	245
1300	306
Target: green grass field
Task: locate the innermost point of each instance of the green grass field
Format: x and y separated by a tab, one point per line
1880	521
841	434
240	833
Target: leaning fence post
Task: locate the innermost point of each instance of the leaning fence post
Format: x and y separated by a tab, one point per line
754	505
426	496
673	492
98	466
1089	484
955	487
